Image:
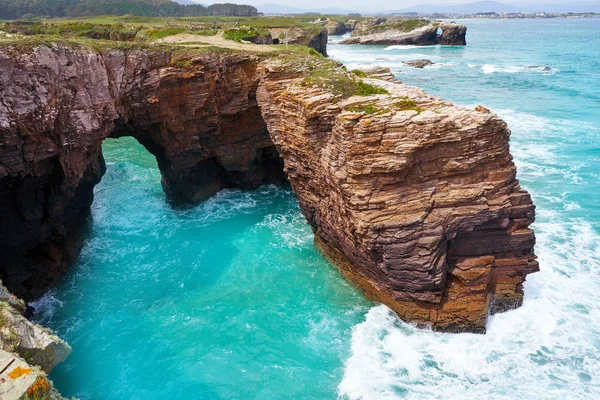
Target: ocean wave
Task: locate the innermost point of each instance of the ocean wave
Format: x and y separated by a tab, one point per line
407	47
45	307
517	69
551	342
438	65
289	229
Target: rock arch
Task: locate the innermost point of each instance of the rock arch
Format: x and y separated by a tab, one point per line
452	34
202	124
418	203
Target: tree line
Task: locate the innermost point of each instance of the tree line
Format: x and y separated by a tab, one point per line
16	9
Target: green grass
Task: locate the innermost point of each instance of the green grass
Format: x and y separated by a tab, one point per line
305	22
329	75
407	104
155	34
115	31
372	109
366	89
131	28
340	83
404	26
359	73
369	108
242	34
183	64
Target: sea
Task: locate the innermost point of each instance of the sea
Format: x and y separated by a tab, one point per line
231	300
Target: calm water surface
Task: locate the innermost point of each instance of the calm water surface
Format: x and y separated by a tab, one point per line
230	299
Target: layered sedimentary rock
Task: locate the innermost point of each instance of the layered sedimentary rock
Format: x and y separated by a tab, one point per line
199	117
30	341
445	33
21	381
414	199
25	346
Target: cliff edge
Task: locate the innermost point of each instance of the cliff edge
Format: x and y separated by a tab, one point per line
412	32
414	199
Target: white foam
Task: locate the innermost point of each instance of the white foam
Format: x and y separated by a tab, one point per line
545	349
516	69
406	47
45	307
290	230
548	348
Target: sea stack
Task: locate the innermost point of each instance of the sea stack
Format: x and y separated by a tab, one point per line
411	32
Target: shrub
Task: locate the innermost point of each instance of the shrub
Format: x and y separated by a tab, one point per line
359	73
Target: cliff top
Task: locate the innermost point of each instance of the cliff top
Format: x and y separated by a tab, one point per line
233	33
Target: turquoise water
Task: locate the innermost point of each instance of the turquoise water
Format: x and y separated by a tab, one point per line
230	299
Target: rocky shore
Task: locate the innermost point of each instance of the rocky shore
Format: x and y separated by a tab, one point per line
412	32
414	199
28	353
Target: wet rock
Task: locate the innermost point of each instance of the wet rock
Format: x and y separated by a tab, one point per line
421	63
540	68
37	345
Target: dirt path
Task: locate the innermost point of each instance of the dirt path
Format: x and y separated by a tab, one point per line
216	40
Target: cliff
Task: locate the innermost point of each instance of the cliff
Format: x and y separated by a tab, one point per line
418	34
197	115
414	199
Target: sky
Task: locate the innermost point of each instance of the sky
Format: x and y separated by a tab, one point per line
374	5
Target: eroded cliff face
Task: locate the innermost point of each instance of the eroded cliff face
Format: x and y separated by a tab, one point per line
57	104
414	199
444	33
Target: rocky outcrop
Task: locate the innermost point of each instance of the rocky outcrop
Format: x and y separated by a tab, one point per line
335	28
453	34
319	42
199	117
30	341
21	381
27	353
420	63
389	34
351	24
414	199
315	40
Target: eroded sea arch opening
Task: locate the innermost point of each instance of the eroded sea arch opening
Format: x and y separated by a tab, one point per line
217	121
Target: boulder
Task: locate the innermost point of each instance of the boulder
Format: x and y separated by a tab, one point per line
421	63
